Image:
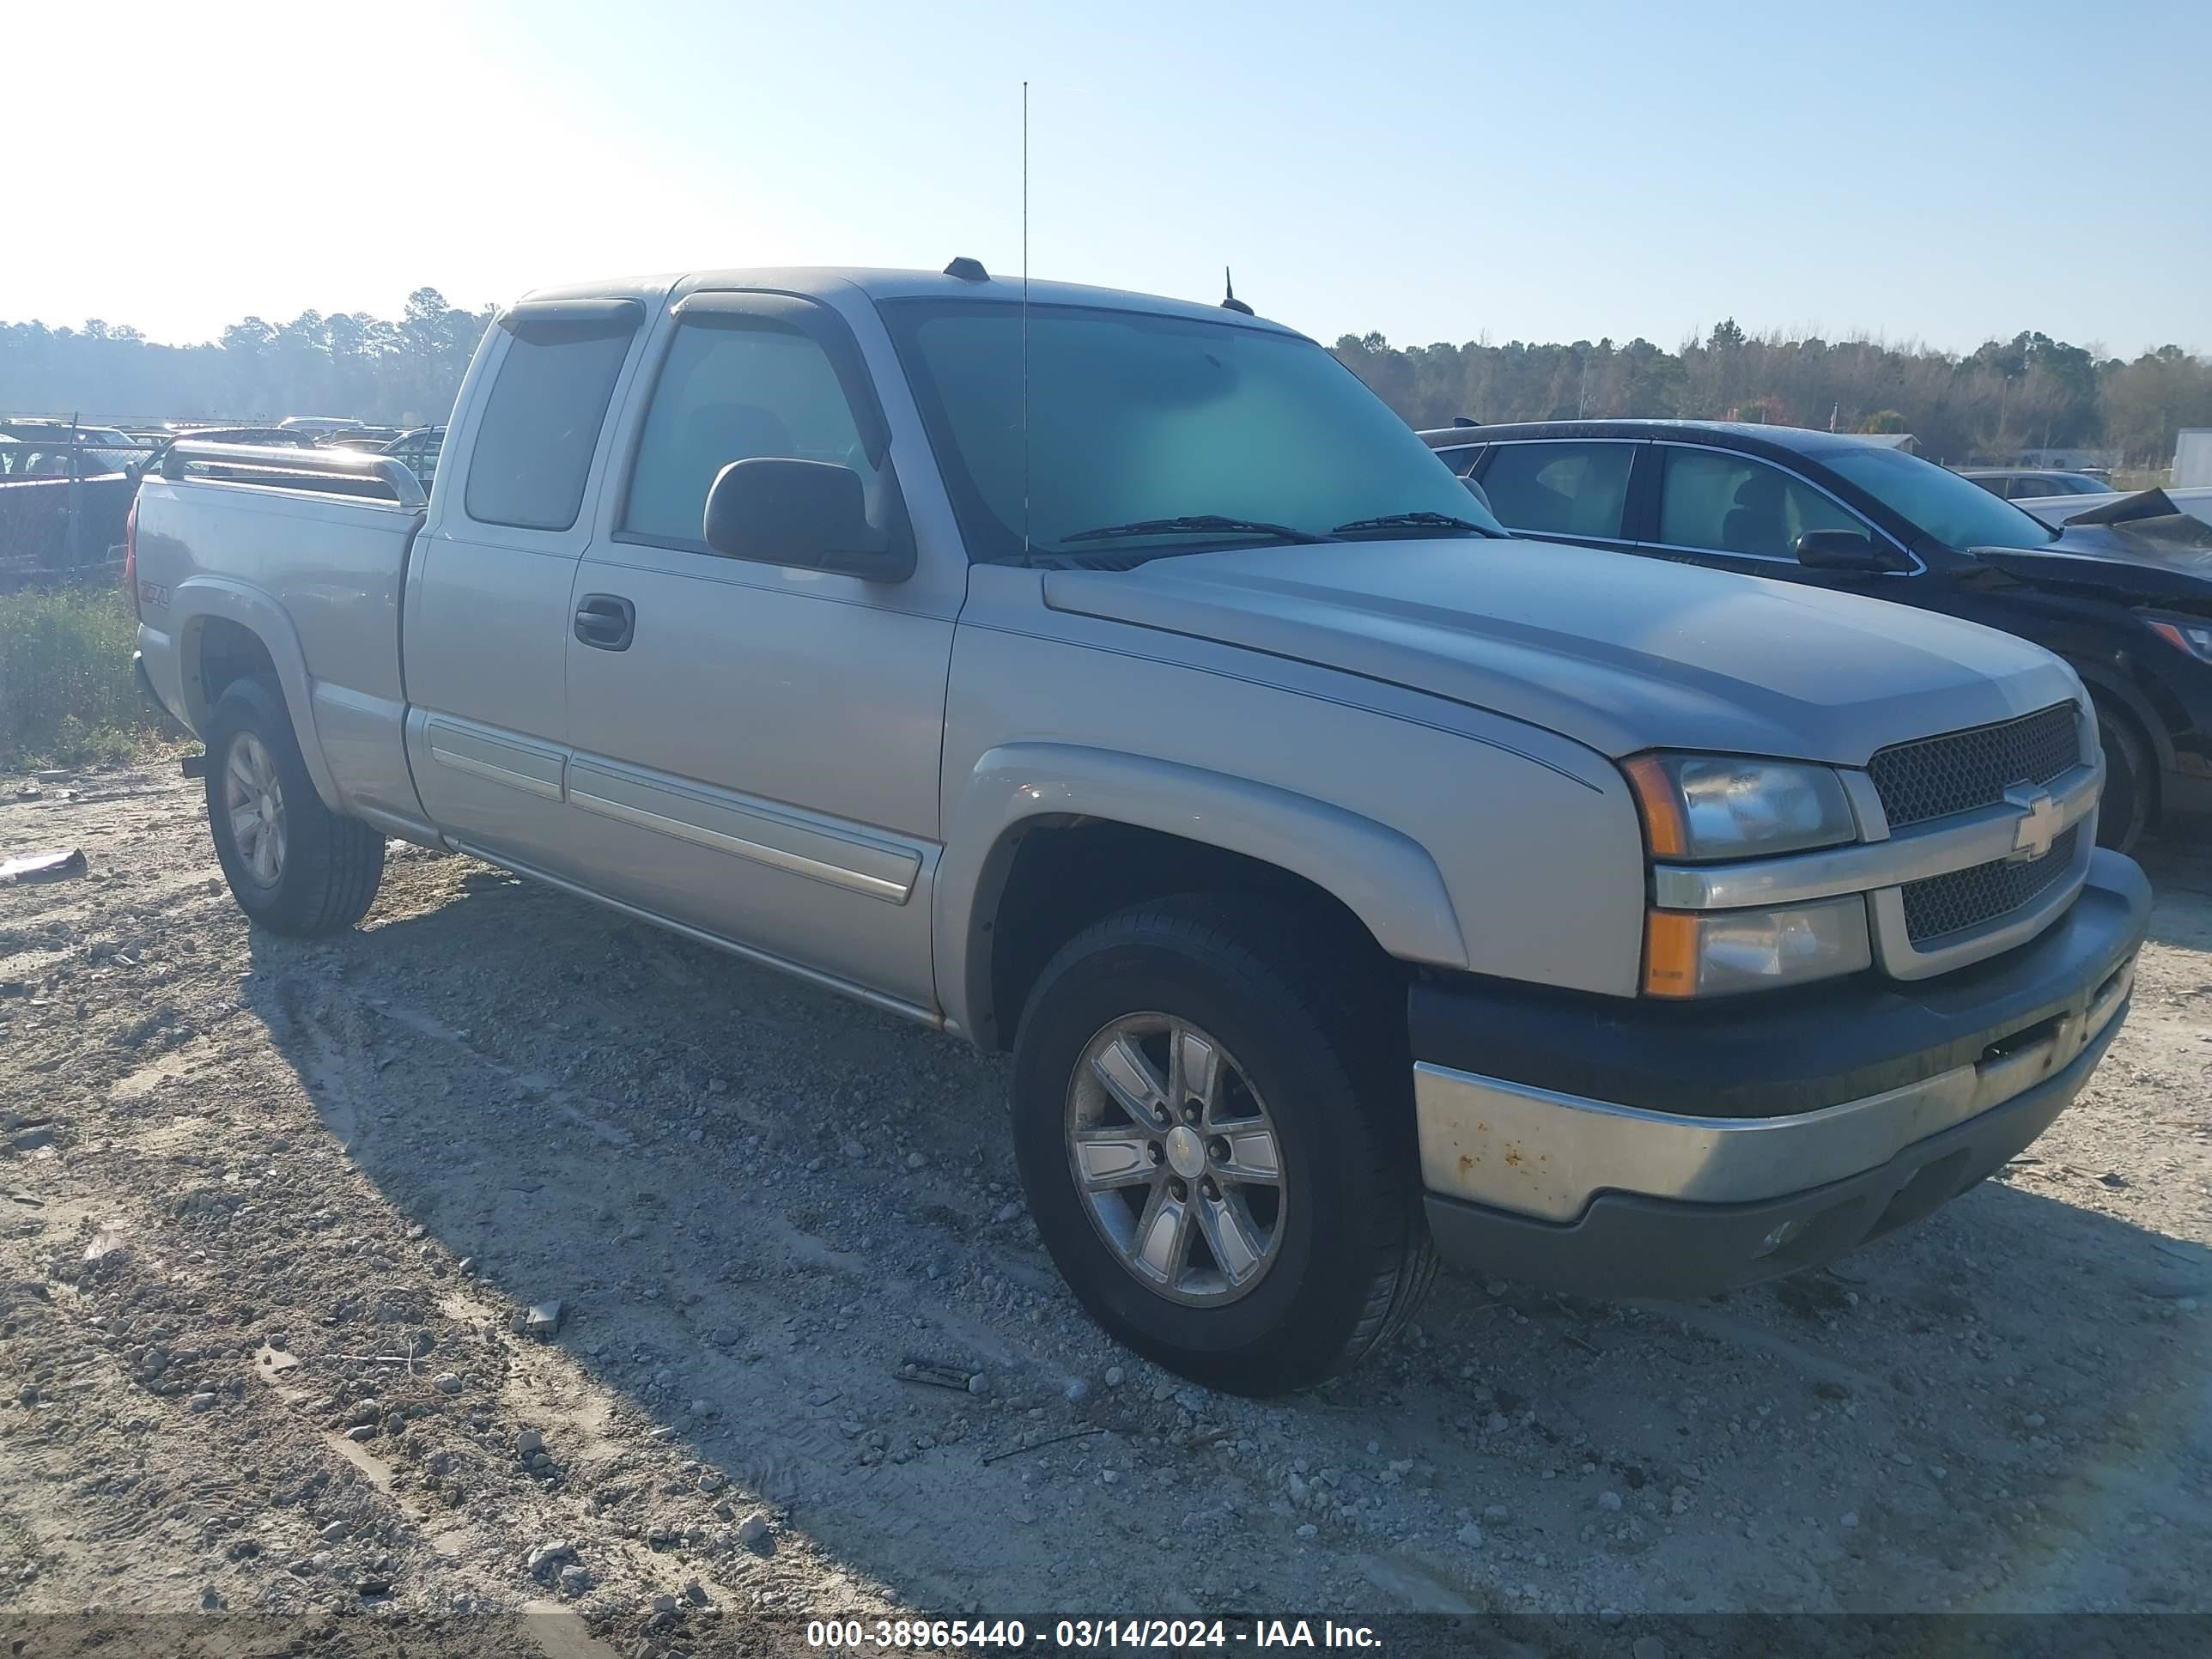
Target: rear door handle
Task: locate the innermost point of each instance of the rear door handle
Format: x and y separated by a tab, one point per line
606	621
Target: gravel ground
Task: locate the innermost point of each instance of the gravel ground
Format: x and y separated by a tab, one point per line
272	1216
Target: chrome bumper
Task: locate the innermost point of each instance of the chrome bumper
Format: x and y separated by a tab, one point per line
1533	1153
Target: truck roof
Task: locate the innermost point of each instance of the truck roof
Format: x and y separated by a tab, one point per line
823	282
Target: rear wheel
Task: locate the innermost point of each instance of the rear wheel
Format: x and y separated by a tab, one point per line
1218	1146
293	865
2124	810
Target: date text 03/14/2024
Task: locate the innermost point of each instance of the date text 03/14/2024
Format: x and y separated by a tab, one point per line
854	1634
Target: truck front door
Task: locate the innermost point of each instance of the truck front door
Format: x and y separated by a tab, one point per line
756	751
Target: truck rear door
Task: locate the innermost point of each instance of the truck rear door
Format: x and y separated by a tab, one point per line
756	746
489	620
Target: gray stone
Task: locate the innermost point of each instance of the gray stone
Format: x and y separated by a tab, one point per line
1077	1392
446	1382
528	1443
1648	1647
574	1580
361	1432
1471	1535
1608	1500
753	1528
202	1402
542	1321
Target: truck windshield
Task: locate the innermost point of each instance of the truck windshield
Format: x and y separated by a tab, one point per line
1957	512
1150	434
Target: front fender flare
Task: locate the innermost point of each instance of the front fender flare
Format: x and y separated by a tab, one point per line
198	597
1380	875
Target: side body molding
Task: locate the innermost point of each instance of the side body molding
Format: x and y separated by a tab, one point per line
1383	877
198	597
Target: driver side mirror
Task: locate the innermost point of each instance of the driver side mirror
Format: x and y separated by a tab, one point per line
1842	550
813	515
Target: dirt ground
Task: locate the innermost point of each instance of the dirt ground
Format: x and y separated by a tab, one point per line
271	1214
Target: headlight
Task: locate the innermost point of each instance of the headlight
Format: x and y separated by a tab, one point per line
1703	953
2190	634
1720	806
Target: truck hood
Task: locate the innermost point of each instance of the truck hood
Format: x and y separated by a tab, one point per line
1616	652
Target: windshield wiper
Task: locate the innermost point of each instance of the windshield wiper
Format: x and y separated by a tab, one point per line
1204	523
1416	521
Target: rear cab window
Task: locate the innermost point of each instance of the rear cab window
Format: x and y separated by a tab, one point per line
541	421
1567	487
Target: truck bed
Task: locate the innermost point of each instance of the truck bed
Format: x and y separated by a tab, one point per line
275	540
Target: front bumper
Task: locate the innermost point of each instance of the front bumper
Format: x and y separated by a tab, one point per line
1649	1150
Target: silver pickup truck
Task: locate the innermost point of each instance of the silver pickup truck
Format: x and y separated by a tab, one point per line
1118	683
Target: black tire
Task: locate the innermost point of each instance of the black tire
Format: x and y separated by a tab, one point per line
2125	810
1324	1048
330	865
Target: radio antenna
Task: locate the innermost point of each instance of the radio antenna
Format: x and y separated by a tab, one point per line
1025	322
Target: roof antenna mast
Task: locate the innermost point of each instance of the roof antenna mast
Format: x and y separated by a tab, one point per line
1025	322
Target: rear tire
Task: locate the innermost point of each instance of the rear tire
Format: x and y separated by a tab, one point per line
293	865
1308	1075
2125	810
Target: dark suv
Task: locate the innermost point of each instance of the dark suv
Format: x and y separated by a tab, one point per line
2129	606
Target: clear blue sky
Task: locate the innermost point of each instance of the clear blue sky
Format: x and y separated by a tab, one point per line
1938	170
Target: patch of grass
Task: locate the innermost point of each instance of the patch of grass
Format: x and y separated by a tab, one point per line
67	696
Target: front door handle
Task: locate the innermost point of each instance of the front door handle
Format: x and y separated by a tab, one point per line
606	621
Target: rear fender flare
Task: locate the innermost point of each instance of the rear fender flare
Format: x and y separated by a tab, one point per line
198	597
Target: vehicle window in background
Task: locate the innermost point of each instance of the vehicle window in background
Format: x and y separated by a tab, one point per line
541	422
1936	500
733	388
1461	461
1560	488
1138	416
2029	489
1729	503
1994	486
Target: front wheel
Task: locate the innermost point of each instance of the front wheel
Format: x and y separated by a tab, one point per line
2123	811
293	865
1217	1145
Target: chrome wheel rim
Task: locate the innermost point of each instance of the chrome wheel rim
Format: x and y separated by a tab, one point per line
1175	1159
254	799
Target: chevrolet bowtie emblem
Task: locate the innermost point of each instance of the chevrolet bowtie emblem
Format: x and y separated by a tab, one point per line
2038	826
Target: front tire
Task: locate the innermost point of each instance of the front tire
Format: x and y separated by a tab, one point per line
1214	1130
293	865
2123	812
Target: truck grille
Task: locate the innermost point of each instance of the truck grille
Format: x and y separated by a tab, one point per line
1966	898
1934	777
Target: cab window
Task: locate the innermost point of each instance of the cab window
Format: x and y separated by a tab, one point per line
734	388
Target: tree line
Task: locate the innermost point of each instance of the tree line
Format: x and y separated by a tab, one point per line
2007	396
398	372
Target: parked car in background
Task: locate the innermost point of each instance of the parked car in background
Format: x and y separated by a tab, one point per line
2020	484
321	425
1352	882
418	450
97	449
2131	614
369	439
